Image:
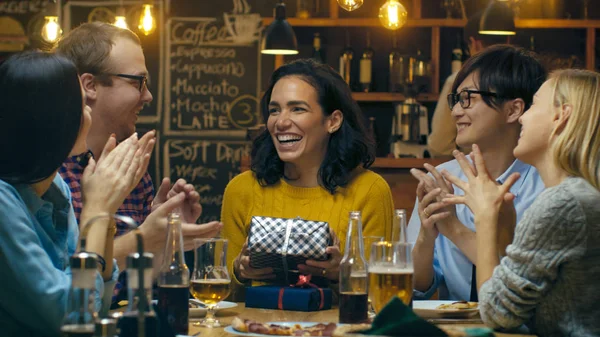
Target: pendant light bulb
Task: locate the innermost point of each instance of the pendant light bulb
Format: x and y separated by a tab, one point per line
392	14
120	20
147	23
51	30
350	5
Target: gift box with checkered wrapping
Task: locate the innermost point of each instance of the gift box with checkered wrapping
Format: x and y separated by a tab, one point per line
282	243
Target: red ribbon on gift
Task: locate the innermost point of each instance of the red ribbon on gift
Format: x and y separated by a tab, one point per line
303	281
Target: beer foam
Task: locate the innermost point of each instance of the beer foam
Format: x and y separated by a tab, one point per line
390	270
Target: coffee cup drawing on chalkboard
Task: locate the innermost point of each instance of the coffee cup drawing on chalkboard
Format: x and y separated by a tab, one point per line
241	25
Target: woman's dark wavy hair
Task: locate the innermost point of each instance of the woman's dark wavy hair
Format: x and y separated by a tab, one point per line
40	115
348	147
511	72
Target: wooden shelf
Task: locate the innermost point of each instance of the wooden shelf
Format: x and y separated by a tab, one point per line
367	22
556	23
458	23
391	97
407	163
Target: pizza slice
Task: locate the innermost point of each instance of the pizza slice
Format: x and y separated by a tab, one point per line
251	326
460	305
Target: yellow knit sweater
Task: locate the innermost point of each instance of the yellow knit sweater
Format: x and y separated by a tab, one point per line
244	197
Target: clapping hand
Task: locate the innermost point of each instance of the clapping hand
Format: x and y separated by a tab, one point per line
435	215
482	194
106	183
190	209
154	227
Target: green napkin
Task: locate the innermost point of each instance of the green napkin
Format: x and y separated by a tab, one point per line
396	319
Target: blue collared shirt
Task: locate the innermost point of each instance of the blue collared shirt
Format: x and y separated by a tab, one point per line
452	269
37	237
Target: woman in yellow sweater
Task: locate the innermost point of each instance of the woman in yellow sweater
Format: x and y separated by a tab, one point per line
310	162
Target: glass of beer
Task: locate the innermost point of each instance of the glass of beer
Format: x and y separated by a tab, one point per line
210	280
390	273
367	242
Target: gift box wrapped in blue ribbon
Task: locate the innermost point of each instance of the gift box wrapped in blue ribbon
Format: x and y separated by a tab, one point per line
289	298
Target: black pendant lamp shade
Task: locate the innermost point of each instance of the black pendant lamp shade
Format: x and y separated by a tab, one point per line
279	37
497	19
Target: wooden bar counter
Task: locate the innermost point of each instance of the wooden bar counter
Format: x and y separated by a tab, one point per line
268	315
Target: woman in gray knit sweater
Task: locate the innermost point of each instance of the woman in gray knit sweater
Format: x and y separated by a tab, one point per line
550	278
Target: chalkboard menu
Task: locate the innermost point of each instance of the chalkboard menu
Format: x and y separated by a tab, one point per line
208	165
212	75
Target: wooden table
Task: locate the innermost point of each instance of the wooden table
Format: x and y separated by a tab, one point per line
267	315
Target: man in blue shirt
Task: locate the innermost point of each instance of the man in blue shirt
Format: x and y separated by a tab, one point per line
492	90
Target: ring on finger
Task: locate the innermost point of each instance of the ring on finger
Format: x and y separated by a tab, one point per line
426	214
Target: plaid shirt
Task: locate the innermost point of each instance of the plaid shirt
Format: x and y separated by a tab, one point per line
137	205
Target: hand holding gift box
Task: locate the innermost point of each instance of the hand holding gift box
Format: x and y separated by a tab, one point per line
285	245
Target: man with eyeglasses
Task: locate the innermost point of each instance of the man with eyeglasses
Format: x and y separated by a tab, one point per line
442	139
114	77
490	93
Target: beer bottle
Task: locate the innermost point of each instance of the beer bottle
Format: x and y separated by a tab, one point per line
79	320
174	282
353	275
399	226
139	318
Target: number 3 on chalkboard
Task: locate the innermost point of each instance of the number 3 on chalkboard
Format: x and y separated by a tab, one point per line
244	112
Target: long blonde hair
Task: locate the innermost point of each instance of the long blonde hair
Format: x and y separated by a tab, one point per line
576	148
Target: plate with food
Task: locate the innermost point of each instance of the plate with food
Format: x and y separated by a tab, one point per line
198	309
247	327
445	309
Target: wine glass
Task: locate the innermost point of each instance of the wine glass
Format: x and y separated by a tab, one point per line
210	282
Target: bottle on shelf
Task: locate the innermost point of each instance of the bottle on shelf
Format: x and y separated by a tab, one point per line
317	53
457	55
353	306
532	43
346	61
373	133
366	67
397	68
174	281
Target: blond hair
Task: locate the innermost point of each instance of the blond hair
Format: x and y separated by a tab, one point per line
89	47
576	149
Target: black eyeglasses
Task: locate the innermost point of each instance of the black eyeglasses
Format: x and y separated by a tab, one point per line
464	97
140	78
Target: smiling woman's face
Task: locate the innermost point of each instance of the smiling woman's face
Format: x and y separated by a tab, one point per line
538	123
296	122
